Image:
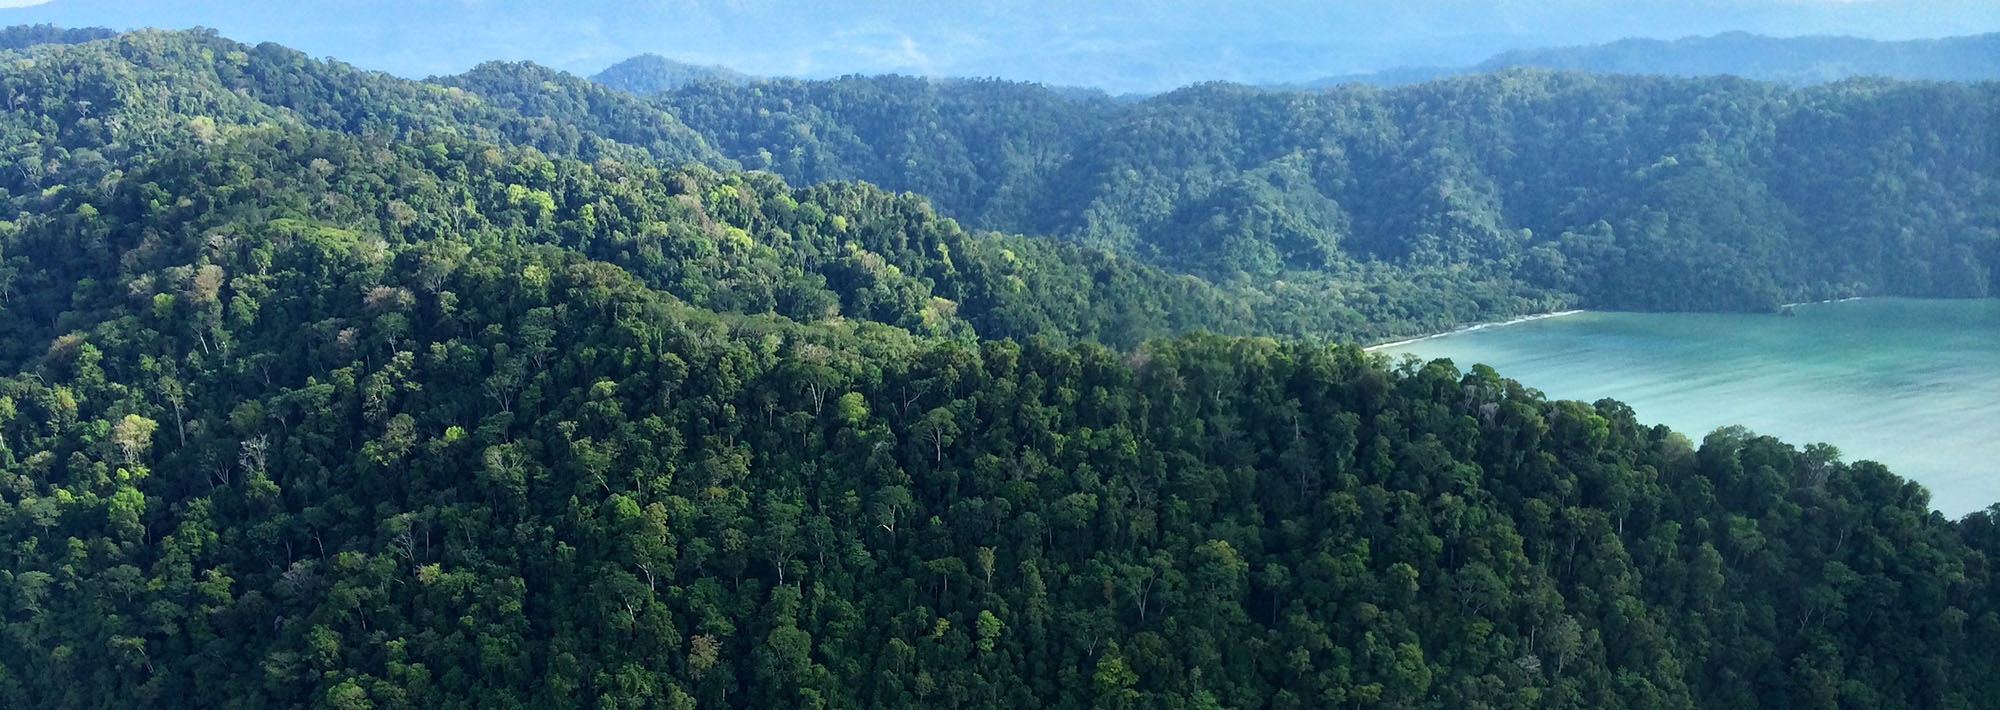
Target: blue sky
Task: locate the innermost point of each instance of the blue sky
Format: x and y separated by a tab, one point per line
1120	45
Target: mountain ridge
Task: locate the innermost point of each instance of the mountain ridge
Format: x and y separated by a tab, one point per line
1243	185
1801	60
1797	60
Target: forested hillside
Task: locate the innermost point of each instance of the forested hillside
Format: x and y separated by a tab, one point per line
323	388
70	106
1623	192
81	113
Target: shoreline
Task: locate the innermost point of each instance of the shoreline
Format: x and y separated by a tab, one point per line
1574	311
1473	327
1830	300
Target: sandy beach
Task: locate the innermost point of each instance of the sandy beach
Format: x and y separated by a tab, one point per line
1830	300
1473	327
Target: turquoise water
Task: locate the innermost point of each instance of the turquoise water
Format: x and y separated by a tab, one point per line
1914	384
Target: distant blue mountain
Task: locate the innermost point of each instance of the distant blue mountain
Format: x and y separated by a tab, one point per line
1793	60
25	36
652	74
1119	46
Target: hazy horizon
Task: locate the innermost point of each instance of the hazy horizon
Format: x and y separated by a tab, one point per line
1116	46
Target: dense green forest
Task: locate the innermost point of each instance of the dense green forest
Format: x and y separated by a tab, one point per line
1622	192
82	112
324	388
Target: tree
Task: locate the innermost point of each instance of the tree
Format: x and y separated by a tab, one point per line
851	409
133	435
989	630
984	556
939	427
1114	681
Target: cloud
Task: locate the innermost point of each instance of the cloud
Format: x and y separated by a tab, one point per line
22	3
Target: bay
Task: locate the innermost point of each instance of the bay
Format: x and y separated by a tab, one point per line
1913	384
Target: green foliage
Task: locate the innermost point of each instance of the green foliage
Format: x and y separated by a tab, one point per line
1504	192
579	105
363	393
426	507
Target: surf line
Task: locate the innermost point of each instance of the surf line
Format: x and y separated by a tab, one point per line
1473	327
1830	300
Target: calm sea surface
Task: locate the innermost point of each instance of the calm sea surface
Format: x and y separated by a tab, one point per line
1914	384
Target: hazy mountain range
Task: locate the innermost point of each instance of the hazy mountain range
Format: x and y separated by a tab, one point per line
1794	60
1120	46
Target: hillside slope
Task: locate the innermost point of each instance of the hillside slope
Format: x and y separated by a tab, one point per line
290	457
88	115
1623	192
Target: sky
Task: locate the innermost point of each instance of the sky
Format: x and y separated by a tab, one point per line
1117	45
